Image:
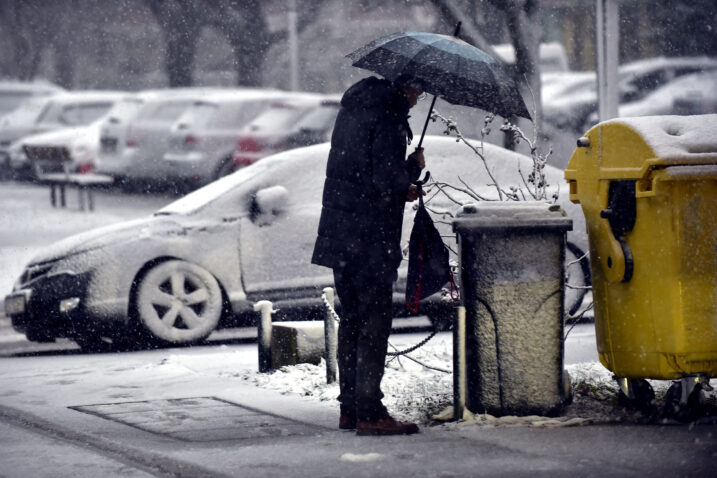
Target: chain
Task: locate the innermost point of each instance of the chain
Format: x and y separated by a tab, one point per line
420	344
415	347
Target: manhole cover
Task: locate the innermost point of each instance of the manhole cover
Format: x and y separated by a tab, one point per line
198	419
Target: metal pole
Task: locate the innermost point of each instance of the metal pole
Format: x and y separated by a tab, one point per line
293	47
265	308
607	29
330	339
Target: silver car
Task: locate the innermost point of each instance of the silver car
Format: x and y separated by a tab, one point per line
202	262
150	109
204	137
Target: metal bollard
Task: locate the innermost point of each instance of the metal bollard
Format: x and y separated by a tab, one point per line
330	338
266	309
459	361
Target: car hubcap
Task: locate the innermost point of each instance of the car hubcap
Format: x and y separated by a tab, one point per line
179	302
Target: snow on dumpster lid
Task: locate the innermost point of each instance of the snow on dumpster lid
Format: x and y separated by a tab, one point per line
676	136
512	214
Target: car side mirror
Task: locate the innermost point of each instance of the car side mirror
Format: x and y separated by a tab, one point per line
267	204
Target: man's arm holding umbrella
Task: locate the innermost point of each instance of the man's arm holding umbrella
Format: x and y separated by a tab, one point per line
392	175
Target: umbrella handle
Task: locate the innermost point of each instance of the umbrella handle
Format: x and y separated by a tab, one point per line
425	179
428	118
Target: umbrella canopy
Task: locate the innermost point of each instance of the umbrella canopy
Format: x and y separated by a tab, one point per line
445	66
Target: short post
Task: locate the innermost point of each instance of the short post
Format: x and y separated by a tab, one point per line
459	361
265	308
330	338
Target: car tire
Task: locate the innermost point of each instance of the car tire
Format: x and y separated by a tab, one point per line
178	302
577	274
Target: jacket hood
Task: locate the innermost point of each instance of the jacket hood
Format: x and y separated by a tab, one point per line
374	92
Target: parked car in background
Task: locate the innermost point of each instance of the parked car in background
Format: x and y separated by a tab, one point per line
141	115
113	132
551	56
269	132
572	111
17	124
687	95
147	138
317	125
14	93
67	127
562	85
202	262
203	139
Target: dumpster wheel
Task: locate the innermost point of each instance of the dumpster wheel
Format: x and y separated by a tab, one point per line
637	394
684	407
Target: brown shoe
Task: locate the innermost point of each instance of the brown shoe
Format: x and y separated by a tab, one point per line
385	426
347	422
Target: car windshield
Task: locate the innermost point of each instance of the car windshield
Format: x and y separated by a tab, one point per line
26	113
9	100
278	118
165	111
77	114
198	199
198	114
236	115
319	118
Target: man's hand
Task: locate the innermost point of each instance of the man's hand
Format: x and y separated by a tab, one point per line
417	156
412	194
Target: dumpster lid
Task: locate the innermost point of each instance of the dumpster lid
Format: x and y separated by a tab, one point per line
512	214
673	137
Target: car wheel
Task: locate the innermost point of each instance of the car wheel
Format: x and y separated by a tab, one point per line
178	302
577	277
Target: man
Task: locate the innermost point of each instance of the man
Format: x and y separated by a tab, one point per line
368	181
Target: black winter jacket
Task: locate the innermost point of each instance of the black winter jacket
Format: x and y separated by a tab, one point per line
367	179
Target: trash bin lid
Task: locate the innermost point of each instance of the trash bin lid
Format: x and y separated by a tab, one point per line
512	214
630	148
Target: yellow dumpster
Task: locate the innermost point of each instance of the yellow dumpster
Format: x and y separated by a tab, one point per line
648	189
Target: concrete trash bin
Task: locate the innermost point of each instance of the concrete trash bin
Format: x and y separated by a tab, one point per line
512	286
648	189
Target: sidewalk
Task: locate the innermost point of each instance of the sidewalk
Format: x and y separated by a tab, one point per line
195	414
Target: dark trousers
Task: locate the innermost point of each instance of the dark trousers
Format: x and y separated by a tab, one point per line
366	313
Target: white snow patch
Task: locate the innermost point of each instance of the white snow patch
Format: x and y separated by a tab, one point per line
361	458
676	136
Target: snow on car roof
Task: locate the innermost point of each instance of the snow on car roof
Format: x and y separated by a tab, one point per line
676	136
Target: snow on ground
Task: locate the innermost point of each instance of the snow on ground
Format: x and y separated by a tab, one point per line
420	389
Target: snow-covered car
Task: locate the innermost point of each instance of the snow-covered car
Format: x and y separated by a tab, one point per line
572	110
687	95
202	261
67	130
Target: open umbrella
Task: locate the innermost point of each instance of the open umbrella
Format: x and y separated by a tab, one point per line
446	66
